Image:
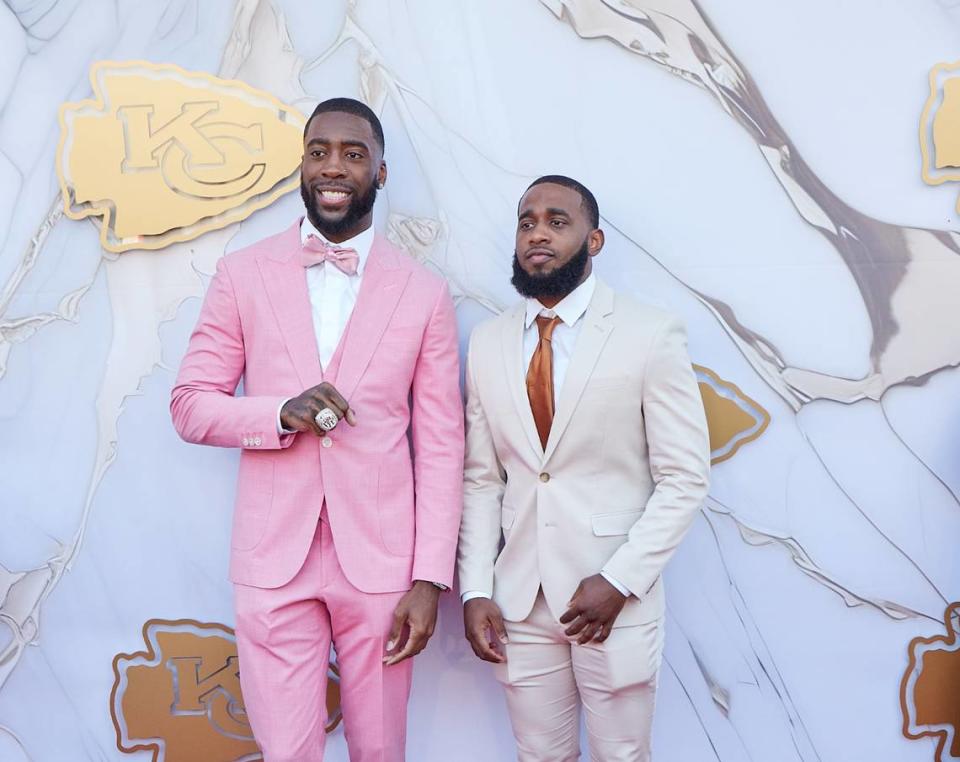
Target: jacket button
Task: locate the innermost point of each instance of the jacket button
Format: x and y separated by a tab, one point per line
544	477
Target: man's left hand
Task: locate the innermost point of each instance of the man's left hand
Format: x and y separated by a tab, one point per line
416	614
593	609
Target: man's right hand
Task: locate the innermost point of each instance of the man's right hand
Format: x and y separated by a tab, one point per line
484	629
298	414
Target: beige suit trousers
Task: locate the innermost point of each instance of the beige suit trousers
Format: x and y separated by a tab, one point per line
548	677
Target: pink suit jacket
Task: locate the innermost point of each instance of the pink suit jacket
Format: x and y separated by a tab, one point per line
394	518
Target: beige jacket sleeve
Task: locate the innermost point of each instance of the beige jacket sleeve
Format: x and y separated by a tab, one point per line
483	484
679	456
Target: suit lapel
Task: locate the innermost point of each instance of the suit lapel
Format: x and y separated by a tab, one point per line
285	281
594	333
384	280
516	373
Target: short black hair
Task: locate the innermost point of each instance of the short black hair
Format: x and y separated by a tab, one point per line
587	199
349	106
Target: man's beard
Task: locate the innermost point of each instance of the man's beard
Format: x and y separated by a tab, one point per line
557	283
360	206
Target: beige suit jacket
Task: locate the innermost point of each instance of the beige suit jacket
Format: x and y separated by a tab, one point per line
624	471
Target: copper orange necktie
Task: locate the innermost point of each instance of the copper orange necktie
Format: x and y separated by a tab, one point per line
540	379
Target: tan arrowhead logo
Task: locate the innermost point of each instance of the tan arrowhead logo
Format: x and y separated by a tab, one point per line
733	418
164	155
181	697
939	139
929	695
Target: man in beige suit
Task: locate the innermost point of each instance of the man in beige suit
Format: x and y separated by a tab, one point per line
587	450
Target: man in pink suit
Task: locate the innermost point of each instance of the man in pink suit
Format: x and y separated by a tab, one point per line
351	428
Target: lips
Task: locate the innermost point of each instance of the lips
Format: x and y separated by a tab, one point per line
539	255
333	197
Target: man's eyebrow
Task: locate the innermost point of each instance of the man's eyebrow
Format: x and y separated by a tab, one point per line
326	141
551	211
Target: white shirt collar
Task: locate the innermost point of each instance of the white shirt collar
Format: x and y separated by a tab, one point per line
569	309
361	243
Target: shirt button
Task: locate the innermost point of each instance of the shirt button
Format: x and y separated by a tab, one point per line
326	442
544	477
257	442
246	442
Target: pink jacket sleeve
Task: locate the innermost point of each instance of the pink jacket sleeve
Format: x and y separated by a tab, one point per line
437	423
203	404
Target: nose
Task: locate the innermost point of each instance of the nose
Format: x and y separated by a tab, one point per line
540	234
332	167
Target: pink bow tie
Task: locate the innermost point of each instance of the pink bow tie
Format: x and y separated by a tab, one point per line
316	251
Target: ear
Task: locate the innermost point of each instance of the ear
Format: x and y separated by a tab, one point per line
595	242
382	175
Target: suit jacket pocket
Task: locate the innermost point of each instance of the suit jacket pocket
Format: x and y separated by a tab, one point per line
251	513
403	336
606	384
610	524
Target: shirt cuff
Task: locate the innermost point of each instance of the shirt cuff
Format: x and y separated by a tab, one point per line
280	430
620	588
471	594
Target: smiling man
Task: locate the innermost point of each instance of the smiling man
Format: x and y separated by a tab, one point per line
587	458
347	350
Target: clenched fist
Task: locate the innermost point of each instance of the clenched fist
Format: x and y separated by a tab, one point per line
299	414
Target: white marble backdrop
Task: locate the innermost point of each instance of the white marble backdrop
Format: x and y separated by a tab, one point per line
759	175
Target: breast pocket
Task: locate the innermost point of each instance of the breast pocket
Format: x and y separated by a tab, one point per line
607	383
398	348
402	334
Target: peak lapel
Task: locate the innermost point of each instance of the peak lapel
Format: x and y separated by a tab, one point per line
597	325
285	281
384	280
516	373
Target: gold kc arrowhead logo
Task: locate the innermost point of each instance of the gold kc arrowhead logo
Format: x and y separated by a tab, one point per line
164	155
181	700
929	697
940	127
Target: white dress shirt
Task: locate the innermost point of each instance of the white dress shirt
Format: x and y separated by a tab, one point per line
333	295
570	310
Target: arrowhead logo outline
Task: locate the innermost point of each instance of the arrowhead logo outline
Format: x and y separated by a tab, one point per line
161	154
934	702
